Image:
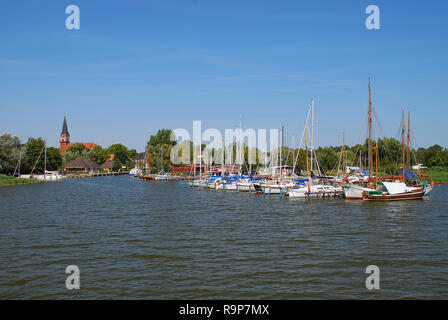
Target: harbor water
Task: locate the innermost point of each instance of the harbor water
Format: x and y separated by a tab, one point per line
164	240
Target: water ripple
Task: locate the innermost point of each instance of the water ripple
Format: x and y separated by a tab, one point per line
149	240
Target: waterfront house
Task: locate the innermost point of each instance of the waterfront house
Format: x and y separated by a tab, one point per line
107	166
81	165
139	161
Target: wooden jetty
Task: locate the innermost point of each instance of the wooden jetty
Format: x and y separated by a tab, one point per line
94	174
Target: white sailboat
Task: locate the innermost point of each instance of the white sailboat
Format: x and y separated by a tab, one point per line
312	188
47	175
163	175
354	191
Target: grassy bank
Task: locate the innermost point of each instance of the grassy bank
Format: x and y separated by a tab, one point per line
12	181
436	174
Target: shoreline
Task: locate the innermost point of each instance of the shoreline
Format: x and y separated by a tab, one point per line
8	181
435	175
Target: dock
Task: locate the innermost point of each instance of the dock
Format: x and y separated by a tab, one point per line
96	174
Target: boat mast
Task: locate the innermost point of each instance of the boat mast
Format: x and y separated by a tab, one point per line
249	160
409	129
147	160
210	160
45	162
240	160
370	134
360	159
194	160
306	150
344	158
200	158
312	132
281	156
20	162
161	159
223	158
293	154
376	163
17	169
402	138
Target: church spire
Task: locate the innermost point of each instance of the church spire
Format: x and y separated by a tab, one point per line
64	127
65	137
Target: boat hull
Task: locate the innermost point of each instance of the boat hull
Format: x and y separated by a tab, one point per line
414	195
354	192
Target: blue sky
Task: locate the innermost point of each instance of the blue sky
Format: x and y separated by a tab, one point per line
138	66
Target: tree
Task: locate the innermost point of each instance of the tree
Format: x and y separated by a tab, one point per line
157	159
119	151
77	148
116	164
54	159
102	156
96	153
183	152
79	151
132	154
10	148
328	158
163	136
34	151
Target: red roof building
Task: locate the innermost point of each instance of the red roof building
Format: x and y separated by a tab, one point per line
64	141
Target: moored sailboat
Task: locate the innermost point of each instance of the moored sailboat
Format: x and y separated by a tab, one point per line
398	189
354	191
47	175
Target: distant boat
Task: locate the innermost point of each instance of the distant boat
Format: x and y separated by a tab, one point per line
135	172
163	175
310	191
49	176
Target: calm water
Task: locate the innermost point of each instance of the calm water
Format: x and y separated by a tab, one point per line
163	240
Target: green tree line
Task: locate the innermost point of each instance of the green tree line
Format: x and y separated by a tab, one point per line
329	159
11	149
159	148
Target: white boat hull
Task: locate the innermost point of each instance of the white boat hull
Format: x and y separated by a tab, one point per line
48	177
354	192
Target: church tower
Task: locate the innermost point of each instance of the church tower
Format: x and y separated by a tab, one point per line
65	137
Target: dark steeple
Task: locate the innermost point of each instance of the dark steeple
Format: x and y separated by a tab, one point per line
64	127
